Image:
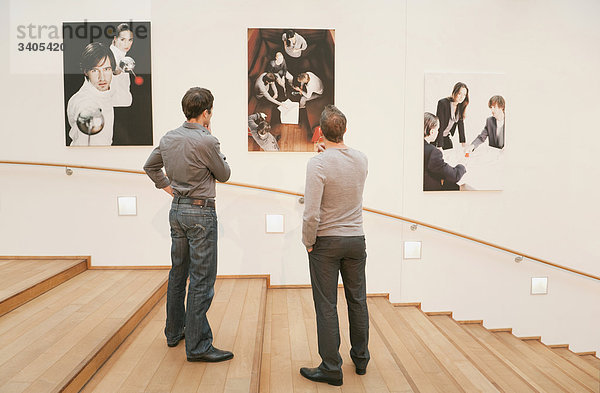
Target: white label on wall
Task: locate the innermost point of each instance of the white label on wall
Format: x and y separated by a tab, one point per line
412	250
127	205
274	223
539	285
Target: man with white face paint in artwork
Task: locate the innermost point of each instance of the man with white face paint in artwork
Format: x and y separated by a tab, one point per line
90	111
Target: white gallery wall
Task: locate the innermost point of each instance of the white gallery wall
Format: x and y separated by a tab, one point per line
547	51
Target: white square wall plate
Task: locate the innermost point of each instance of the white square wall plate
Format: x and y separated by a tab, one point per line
127	205
412	250
274	223
539	285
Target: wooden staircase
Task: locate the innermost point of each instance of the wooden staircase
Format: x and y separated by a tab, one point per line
56	341
102	331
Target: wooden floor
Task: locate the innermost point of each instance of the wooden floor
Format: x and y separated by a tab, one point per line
413	352
48	342
294	137
24	279
144	363
84	331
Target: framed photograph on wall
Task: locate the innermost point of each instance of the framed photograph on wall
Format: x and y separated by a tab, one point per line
290	81
464	131
107	83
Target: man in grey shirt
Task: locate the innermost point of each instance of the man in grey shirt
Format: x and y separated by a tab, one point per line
193	160
332	232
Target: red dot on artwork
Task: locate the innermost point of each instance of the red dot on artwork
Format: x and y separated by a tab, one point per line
139	80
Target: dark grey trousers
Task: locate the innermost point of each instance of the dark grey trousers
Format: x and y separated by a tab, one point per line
347	255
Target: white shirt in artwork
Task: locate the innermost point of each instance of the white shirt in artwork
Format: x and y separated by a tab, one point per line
123	77
295	50
88	97
314	85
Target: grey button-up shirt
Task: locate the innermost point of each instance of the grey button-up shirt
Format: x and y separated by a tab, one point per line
192	159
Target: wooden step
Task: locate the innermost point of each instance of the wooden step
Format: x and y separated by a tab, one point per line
481	357
577	361
514	359
423	369
581	377
457	365
383	373
540	359
24	279
593	360
291	343
58	340
144	362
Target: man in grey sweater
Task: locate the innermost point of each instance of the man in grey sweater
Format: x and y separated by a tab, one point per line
332	232
192	158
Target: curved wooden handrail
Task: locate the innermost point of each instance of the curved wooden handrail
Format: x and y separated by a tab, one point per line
378	212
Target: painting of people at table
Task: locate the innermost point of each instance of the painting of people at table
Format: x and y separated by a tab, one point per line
107	83
469	115
290	81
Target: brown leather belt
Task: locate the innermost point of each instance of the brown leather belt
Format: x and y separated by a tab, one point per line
196	202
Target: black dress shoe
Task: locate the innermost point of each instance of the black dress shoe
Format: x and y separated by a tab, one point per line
361	371
214	355
175	343
317	375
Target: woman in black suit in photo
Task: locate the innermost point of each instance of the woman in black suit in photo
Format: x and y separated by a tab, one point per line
437	174
451	113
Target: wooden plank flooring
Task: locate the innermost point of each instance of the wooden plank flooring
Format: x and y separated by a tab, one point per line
25	279
291	343
422	367
566	367
577	361
58	340
48	341
541	362
534	376
461	369
144	363
491	366
591	359
294	137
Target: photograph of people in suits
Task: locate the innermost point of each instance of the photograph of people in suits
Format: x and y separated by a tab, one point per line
437	174
290	80
451	113
494	126
460	140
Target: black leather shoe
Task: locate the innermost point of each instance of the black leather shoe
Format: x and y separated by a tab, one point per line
214	355
175	343
361	371
317	375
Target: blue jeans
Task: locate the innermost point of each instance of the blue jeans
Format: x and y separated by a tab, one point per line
193	254
331	256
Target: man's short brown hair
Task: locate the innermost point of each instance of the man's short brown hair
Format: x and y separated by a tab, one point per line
195	101
498	101
269	78
333	124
